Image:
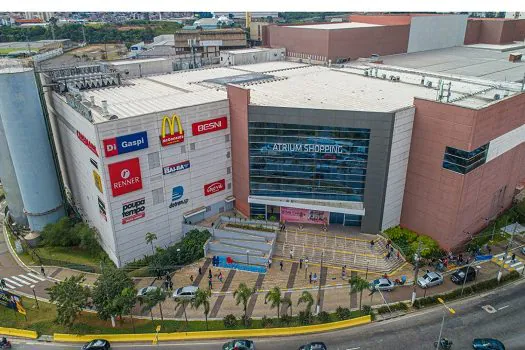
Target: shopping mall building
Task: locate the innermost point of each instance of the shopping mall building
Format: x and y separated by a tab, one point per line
364	146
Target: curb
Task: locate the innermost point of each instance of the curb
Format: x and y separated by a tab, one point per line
21	333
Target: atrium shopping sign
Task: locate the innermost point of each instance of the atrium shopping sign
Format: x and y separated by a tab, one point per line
307	147
173	136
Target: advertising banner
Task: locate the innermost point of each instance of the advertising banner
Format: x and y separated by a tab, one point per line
102	209
125	176
98	181
86	142
9	300
94	162
133	210
125	144
214	187
176	197
210	125
173	136
170	169
305	216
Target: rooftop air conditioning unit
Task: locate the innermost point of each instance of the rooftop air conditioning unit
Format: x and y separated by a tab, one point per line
496	97
429	84
383	76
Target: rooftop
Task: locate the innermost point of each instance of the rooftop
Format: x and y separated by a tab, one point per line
144	60
329	26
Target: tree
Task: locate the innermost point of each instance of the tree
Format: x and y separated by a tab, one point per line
125	302
150	237
242	295
70	298
288	302
306	298
108	286
183	302
153	298
358	284
202	298
275	299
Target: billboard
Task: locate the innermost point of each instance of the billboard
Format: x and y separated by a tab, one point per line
173	168
214	187
305	216
176	197
125	144
98	181
173	136
210	125
86	142
11	301
125	176
133	210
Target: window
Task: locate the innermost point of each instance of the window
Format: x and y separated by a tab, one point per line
463	162
158	196
228	154
192	146
153	160
208	208
221	209
229	186
227	138
229	170
183	149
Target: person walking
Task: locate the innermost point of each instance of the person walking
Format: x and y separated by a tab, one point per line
300	263
200	270
269	263
220	276
191	278
281	264
291	253
210	275
3	284
372	243
209	283
513	259
171	285
310	277
42	271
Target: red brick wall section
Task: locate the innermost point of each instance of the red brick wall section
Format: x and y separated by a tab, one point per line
363	42
519	32
239	99
381	19
491	32
507	32
472	33
299	40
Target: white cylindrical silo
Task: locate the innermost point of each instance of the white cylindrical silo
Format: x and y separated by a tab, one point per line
22	118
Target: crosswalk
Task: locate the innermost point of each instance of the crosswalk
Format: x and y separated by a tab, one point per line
28	279
516	265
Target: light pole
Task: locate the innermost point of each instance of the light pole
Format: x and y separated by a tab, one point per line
247	257
34	294
417	257
318	307
500	271
452	311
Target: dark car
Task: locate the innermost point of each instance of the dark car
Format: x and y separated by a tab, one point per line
487	344
239	344
459	276
97	344
314	346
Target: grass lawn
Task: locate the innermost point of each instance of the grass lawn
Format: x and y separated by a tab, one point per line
6	50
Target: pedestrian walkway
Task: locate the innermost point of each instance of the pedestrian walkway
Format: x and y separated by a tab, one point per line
517	265
27	279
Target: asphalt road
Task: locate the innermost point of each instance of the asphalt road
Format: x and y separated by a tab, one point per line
416	331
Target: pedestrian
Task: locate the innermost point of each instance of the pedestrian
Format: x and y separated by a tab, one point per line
171	285
200	270
489	249
513	259
398	255
220	276
191	278
388	255
281	264
209	284
372	243
269	263
291	253
392	250
42	271
310	276
2	284
314	278
301	263
343	272
210	275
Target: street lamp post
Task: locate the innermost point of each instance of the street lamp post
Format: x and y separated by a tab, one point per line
318	307
247	257
34	294
452	311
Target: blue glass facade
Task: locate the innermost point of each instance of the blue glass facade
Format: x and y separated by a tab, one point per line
308	161
463	162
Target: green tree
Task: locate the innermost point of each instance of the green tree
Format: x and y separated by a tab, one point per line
242	295
358	285
153	298
150	237
288	302
275	298
125	303
202	298
108	286
70	298
307	299
183	302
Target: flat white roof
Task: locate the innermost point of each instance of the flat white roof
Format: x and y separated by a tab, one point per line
127	62
343	25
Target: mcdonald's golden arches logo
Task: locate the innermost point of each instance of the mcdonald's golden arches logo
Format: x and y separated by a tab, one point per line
173	136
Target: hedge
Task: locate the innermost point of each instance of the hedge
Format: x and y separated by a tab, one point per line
393	307
408	242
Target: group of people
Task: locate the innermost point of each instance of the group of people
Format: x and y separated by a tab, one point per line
220	277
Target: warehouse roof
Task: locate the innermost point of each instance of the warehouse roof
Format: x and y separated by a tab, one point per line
126	62
343	25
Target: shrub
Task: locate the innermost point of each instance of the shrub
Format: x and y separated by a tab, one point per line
367	309
393	307
248	321
342	313
323	317
266	322
230	321
286	320
304	318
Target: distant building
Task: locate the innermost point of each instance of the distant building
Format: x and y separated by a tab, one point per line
209	42
515	15
45	16
256	30
495	31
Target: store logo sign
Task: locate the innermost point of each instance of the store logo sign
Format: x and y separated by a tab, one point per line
125	177
176	197
133	210
98	181
173	136
86	142
307	147
211	125
125	144
170	169
102	209
214	187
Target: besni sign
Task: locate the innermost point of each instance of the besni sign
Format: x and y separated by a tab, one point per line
176	197
214	187
211	125
86	142
133	210
125	144
170	169
125	176
173	136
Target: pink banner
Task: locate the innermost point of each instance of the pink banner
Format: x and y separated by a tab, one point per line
305	216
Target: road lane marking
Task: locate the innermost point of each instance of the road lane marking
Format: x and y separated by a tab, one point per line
36	276
354	348
489	308
27	278
20	280
13	282
503	307
9	286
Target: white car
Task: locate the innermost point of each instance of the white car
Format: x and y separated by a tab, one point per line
187	293
143	291
383	284
430	279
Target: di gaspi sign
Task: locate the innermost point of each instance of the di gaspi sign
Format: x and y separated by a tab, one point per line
171	136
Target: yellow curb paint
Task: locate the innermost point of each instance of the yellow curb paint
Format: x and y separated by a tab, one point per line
22	333
225	334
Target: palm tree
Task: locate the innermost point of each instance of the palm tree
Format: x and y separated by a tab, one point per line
128	297
358	284
275	299
306	298
150	237
288	302
202	298
183	302
242	295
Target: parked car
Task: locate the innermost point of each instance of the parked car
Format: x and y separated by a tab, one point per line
382	284
430	279
187	292
97	344
314	346
523	250
239	344
487	344
146	290
459	276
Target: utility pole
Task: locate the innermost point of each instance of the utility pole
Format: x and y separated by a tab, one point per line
84	33
417	256
318	307
500	271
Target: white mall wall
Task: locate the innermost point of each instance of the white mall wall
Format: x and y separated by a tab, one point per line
506	142
436	32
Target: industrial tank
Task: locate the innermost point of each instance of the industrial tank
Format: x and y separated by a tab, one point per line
22	118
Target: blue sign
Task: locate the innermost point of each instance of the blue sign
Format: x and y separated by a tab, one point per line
126	143
170	169
177	193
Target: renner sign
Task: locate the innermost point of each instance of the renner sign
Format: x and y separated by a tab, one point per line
125	176
211	125
125	144
214	187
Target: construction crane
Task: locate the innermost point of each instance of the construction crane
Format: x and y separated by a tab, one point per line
248	20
